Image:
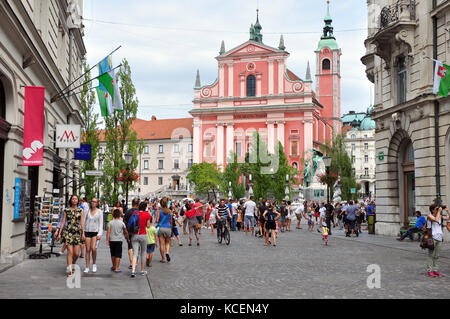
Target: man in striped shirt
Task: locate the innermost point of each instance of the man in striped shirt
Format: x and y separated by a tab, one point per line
223	212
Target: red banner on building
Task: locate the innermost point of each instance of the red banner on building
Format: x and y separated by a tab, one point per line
33	135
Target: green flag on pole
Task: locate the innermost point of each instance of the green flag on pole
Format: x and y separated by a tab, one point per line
105	102
108	83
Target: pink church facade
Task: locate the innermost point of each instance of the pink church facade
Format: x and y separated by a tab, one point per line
256	91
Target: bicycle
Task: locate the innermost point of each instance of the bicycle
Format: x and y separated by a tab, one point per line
223	235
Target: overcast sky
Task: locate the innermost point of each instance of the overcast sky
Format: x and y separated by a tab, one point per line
166	42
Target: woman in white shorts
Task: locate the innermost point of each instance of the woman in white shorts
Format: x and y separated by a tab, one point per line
212	216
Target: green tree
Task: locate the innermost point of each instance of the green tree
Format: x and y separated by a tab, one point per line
341	164
278	184
120	137
206	177
232	174
258	164
89	132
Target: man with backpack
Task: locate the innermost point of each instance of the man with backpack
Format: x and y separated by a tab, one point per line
137	225
126	218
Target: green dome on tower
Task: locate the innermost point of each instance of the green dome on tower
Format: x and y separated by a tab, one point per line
328	40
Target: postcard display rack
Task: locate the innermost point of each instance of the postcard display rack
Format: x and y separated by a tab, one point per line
49	212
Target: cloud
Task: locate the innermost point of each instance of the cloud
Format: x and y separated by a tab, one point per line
165	43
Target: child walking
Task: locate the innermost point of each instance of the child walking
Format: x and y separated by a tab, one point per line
325	229
152	242
114	238
175	231
311	217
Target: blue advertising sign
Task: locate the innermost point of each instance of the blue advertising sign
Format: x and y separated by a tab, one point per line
16	198
83	153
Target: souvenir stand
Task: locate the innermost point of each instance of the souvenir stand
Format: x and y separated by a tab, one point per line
49	212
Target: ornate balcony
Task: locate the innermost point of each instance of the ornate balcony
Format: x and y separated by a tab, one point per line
401	11
395	32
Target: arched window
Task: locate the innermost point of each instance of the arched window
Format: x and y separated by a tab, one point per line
326	65
251	85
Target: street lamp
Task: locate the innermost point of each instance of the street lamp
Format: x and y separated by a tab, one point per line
128	160
120	197
327	162
286	192
100	162
82	191
230	193
250	184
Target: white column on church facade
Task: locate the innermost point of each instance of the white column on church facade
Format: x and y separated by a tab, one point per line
230	79
197	143
308	128
280	76
271	77
271	137
281	132
221	79
230	139
220	144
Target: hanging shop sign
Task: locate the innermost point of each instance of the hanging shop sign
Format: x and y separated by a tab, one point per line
83	153
33	129
68	136
94	173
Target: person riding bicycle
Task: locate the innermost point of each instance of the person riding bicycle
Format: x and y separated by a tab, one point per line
223	213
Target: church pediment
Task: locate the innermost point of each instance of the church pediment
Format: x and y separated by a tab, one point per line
249	48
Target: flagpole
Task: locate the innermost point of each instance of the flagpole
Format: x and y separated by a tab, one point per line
54	98
57	98
79	92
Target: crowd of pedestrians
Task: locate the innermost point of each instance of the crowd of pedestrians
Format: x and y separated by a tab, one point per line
147	226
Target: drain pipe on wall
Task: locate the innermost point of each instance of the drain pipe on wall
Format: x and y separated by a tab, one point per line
436	118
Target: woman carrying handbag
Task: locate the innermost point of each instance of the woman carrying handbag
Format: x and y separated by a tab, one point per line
434	223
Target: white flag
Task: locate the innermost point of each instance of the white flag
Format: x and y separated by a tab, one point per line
117	103
437	76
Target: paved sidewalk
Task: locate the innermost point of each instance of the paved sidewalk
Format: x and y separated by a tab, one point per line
46	278
301	266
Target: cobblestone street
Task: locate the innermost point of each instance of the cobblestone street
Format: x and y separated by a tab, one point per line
299	267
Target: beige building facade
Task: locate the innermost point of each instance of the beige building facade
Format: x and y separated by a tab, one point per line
359	140
412	123
41	44
165	160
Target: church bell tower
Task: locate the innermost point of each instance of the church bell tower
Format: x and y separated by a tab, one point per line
328	74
